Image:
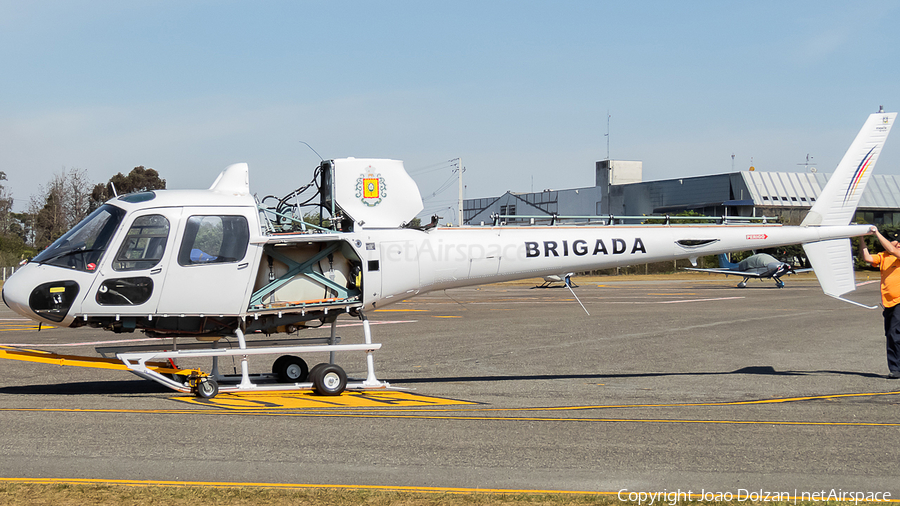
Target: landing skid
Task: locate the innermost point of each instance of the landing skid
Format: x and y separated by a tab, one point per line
324	379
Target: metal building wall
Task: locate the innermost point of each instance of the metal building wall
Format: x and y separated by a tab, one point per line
787	194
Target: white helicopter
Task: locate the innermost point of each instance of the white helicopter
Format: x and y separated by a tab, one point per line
213	263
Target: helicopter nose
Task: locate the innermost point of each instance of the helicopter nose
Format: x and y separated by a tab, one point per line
50	300
16	291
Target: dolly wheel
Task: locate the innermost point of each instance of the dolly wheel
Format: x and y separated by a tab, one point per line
290	369
328	379
207	388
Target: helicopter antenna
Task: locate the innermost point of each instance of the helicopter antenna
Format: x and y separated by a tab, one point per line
313	150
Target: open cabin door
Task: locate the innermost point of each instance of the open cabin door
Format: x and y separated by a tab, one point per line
211	267
307	273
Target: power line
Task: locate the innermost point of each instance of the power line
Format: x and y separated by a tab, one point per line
443	187
433	167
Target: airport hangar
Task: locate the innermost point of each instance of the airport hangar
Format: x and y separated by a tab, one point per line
620	191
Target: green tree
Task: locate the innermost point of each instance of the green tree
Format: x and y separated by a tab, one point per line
6	202
673	219
12	231
138	180
61	204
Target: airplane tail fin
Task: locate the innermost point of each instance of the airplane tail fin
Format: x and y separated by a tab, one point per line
832	259
836	204
724	263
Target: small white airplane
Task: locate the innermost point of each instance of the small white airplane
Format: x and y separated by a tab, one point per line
760	266
217	263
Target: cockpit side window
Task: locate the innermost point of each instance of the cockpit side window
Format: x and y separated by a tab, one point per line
144	244
214	239
82	247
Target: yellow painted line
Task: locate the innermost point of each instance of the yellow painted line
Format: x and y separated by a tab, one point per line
26	325
288	486
116	411
386	488
306	399
74	360
579	420
695	404
471	418
436	316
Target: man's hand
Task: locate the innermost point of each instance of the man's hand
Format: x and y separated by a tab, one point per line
864	254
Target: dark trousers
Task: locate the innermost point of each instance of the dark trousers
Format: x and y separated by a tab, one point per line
892	333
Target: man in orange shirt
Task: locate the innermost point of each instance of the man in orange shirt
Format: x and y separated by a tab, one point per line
888	262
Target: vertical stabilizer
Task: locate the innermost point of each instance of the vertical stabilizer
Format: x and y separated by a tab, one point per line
837	203
724	263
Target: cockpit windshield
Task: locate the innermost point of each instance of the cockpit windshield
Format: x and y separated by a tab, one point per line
82	247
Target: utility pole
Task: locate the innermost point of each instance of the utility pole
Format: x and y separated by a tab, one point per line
607	133
459	167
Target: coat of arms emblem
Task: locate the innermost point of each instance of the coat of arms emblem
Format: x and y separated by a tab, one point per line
371	189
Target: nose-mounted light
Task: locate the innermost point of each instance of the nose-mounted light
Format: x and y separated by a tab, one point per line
53	300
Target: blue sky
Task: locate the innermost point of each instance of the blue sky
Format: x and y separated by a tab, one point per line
519	90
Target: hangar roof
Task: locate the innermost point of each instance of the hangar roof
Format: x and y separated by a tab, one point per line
800	189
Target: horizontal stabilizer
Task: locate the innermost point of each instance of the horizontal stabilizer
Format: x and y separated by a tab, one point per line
727	272
833	263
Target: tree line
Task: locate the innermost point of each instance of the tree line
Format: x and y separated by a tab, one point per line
59	205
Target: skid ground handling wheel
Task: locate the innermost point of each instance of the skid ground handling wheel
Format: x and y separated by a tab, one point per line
207	388
289	371
328	379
